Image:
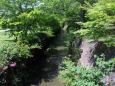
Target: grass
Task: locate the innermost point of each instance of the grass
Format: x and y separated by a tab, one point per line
5	38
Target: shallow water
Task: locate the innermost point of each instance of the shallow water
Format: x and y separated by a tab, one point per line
58	51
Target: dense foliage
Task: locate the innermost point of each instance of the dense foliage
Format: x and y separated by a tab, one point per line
81	76
100	23
66	10
33	23
33	27
11	8
12	51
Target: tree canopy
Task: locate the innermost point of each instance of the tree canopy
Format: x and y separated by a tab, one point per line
100	23
15	7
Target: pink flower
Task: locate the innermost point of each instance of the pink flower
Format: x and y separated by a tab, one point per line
4	68
13	64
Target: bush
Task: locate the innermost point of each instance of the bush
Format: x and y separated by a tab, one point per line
13	51
80	76
11	56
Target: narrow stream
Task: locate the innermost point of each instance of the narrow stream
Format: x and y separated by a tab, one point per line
58	51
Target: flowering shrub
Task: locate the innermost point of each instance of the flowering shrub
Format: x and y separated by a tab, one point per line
9	53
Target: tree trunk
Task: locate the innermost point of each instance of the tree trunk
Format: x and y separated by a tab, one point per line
88	48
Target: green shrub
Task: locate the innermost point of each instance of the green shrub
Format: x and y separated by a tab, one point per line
14	51
80	76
